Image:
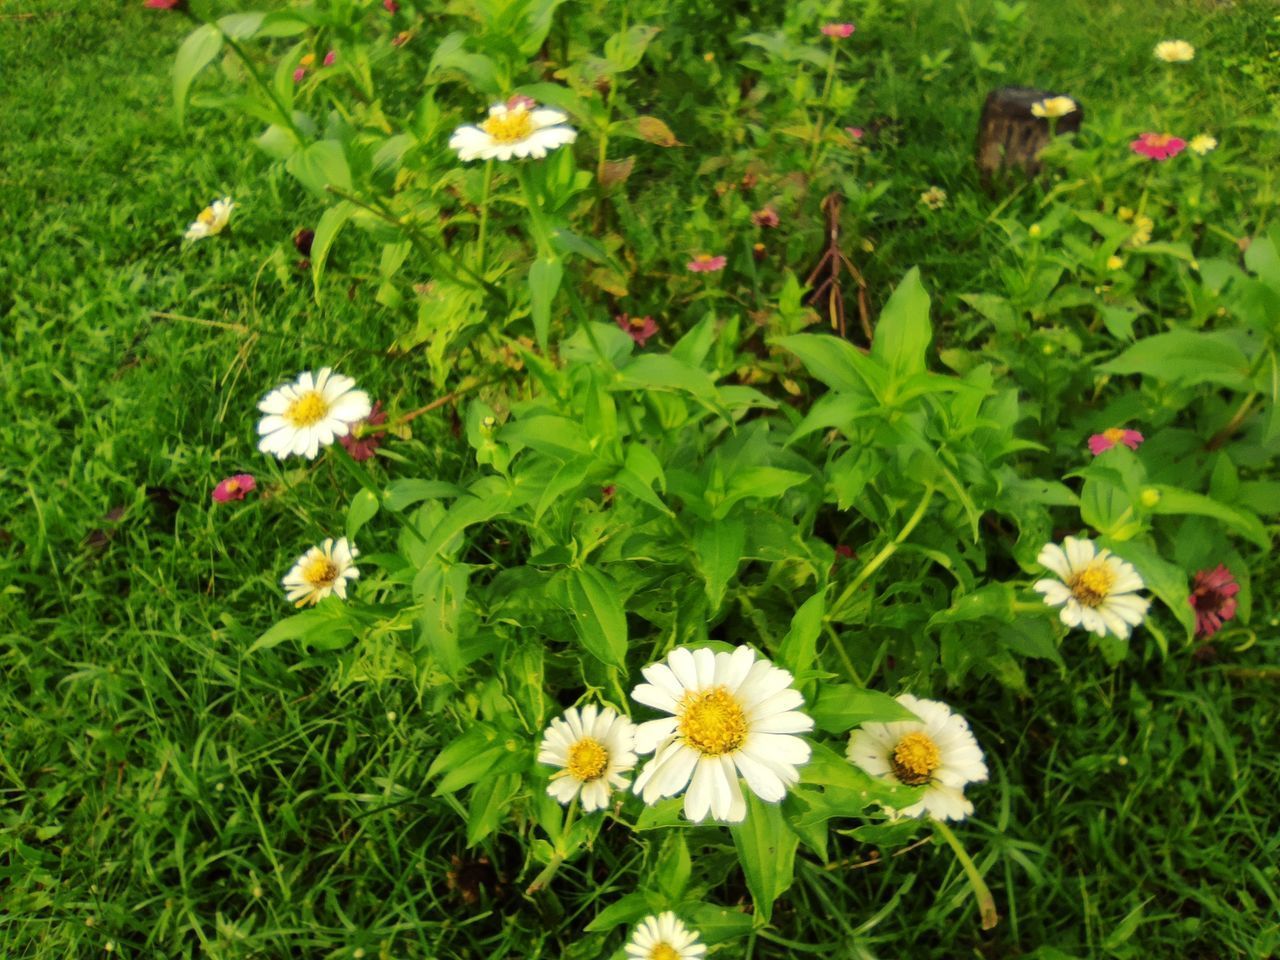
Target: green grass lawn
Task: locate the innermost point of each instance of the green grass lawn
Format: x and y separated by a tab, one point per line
164	795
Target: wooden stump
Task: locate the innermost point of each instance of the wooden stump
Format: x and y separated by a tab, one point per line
1010	136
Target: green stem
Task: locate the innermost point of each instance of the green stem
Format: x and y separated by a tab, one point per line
986	902
560	855
844	656
484	215
537	220
887	551
822	106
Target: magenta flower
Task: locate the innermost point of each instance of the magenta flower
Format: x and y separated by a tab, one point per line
234	488
1158	146
1102	442
331	58
841	30
768	217
299	75
161	4
706	263
638	329
1213	597
362	443
855	132
390	6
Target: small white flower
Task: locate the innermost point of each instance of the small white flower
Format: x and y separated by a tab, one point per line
593	749
213	219
937	751
312	412
732	715
1052	107
935	198
1097	589
664	937
321	571
517	128
1175	51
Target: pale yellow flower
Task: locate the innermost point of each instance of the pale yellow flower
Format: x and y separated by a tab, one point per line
1053	107
935	198
1202	143
1175	51
1142	227
1115	263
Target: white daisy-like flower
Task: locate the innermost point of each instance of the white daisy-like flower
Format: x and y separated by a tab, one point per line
732	714
321	571
1096	590
593	749
212	220
664	937
937	751
517	128
312	412
1053	107
1175	51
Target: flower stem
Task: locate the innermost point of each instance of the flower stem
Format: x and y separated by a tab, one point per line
887	551
484	215
560	855
822	106
986	902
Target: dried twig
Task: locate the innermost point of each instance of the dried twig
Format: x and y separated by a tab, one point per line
830	268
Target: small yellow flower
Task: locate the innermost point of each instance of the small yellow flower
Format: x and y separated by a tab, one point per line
1175	51
307	60
1114	262
1125	214
1053	107
1150	497
1202	143
1142	227
935	198
1034	230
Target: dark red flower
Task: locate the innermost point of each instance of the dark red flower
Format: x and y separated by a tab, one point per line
362	443
765	217
390	6
638	329
1213	597
303	240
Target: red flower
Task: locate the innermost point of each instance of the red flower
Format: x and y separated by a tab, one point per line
1102	442
1213	598
362	445
299	75
303	240
855	132
234	488
331	58
1158	146
390	6
638	329
161	4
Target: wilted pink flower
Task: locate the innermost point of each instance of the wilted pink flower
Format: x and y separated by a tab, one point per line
300	74
361	443
855	132
767	217
331	58
1213	597
234	488
518	101
841	30
706	263
1104	441
1158	146
161	4
638	329
390	6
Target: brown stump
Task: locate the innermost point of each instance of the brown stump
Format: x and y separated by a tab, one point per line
1011	137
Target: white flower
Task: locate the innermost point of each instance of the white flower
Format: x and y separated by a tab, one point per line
1175	51
937	751
1202	143
312	412
514	129
212	220
321	571
664	937
593	749
1097	589
731	715
1052	107
935	198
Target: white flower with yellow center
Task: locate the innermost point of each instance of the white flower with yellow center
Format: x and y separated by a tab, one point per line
1053	107
731	715
321	571
1096	590
213	219
517	128
1175	51
593	749
311	413
664	937
937	751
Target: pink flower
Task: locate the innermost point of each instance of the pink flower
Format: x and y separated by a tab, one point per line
331	58
638	329
360	443
768	217
390	6
841	30
518	101
706	263
1213	597
854	132
299	75
234	488
1158	146
161	4
1104	441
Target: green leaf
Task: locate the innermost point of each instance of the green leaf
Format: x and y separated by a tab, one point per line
626	909
658	371
1166	580
545	274
798	651
321	165
1186	357
364	505
841	707
322	623
597	615
995	600
903	331
674	866
241	26
1175	501
404	493
196	52
331	221
767	851
719	547
837	362
625	49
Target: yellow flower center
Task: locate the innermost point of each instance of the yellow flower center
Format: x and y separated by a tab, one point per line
664	951
1092	584
320	571
233	486
510	126
713	722
588	760
308	409
1114	434
206	216
915	758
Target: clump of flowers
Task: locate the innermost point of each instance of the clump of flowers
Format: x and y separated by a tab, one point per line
309	413
935	198
1100	443
639	329
706	263
937	752
1175	51
212	220
321	571
841	31
1158	146
592	749
1096	589
234	488
1051	108
362	443
517	128
732	714
664	937
1213	598
1203	143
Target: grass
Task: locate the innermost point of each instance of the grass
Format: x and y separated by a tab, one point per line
166	796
